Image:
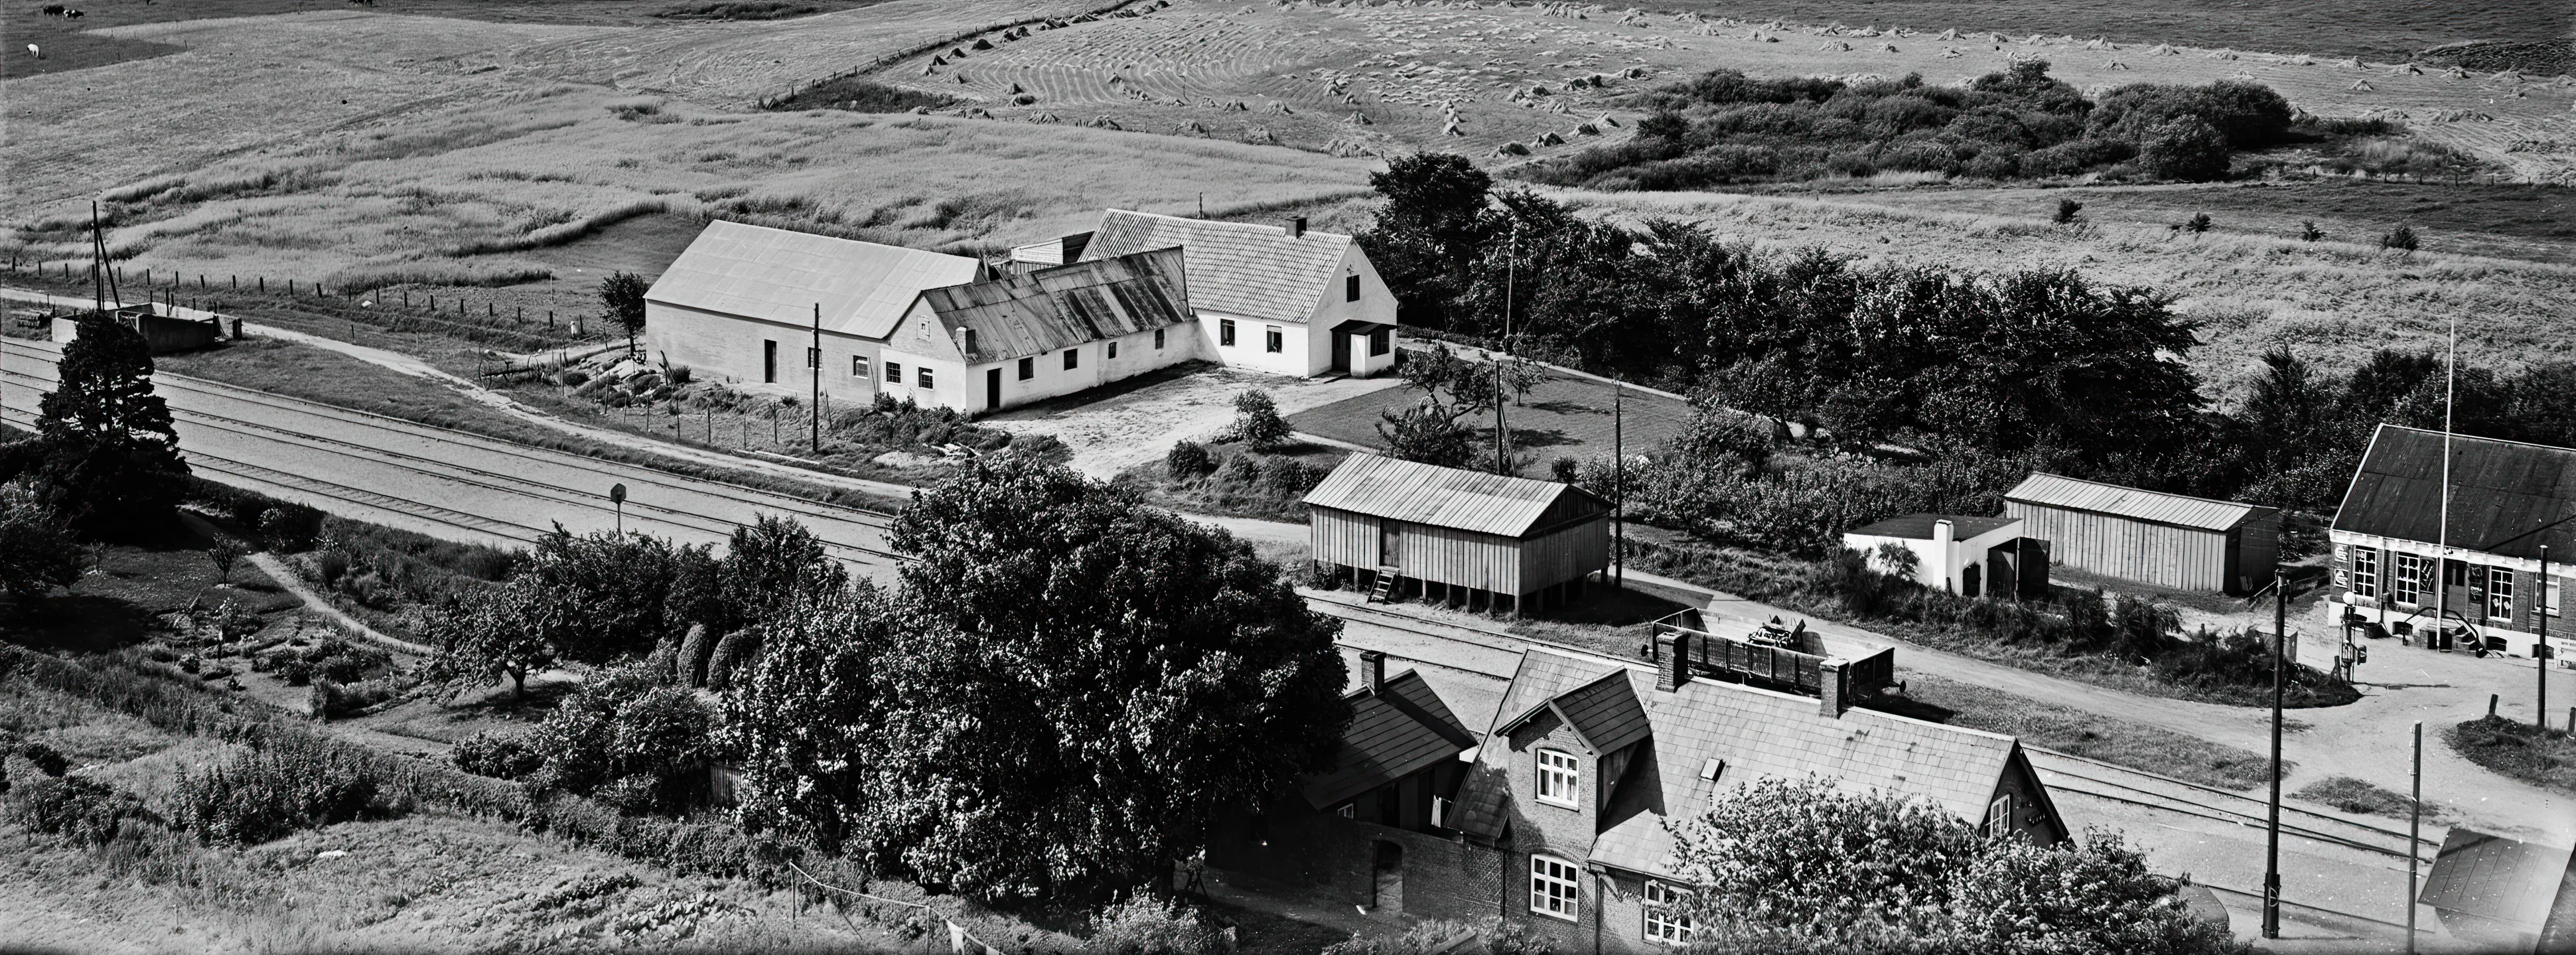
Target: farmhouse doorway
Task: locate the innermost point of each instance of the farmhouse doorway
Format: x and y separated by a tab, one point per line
1386	897
993	390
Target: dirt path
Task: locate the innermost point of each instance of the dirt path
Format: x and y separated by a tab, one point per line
1123	430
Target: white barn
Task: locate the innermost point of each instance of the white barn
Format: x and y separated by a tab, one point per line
740	306
1282	300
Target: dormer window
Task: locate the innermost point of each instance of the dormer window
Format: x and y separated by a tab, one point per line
1560	778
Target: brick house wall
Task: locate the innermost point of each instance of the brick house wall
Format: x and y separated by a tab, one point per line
1445	877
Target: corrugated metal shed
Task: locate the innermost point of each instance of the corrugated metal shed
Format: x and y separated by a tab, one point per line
1395	732
1451	497
2197	513
1053	308
2507	498
780	276
2493	877
1257	271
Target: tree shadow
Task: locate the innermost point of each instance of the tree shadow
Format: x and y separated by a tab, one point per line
1889	701
1566	407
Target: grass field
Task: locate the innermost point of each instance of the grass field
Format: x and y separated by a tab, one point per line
2354	795
2544	758
2378	29
1563	417
2082	734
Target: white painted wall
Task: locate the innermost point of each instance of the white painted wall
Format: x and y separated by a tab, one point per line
1941	562
727	348
958	385
1295	357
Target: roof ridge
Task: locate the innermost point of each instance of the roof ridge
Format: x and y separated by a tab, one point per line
2477	437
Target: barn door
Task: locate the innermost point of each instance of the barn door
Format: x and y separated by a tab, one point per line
768	362
1390	543
1342	353
993	390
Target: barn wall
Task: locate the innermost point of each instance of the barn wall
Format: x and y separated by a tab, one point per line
1564	554
718	347
1464	558
2159	554
2260	548
1342	537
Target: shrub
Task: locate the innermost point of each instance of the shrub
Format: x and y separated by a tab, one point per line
628	721
2401	238
2184	148
859	95
2198	223
1189	459
2308	231
89	813
289	528
44	758
1257	422
287	782
1240	470
497	755
223	552
1145	925
329	700
1291	479
2067	211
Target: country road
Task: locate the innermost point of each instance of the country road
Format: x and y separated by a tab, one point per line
445	483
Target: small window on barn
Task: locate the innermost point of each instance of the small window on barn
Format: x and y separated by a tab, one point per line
1028	368
894	373
1350	288
1381	342
1560	778
921	377
1072	358
1113	350
1999	820
1273	340
858	366
1225	332
1158	339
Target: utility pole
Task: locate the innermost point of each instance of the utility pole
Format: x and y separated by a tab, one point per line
2414	834
814	364
2442	535
2540	652
1511	276
1619	481
2272	840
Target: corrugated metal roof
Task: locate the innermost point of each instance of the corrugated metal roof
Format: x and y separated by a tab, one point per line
2494	877
1066	305
1395	732
2199	513
1246	269
2507	498
780	276
1444	497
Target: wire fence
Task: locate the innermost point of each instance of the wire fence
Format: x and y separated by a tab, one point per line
394	308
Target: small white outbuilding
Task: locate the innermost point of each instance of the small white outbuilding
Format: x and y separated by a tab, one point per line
1968	556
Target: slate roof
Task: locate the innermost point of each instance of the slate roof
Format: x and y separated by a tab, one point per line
2495	877
2507	498
1605	712
1395	732
1242	268
1756	733
2197	513
1449	497
1066	305
780	276
1919	526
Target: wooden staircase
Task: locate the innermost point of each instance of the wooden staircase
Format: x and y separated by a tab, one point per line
1383	589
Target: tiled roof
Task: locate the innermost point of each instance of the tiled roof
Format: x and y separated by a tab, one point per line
2198	513
1393	733
774	274
1448	497
1919	526
1755	733
1063	306
2507	498
1605	712
2494	877
1256	271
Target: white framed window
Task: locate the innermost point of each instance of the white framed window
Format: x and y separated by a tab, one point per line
1072	358
858	366
2549	601
921	377
1999	820
1225	332
1560	777
894	373
1273	340
2365	571
2499	593
1556	889
2406	583
1662	923
1028	368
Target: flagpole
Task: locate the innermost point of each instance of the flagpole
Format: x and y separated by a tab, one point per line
2442	536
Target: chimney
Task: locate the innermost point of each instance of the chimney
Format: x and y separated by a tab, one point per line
1373	669
1831	686
1297	227
1942	536
1672	660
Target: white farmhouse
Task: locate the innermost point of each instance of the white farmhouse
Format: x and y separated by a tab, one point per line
1006	341
743	303
1282	300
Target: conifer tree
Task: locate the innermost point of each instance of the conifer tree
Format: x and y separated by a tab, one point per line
112	464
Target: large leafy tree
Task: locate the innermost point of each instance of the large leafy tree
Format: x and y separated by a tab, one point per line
607	594
1804	866
621	300
111	462
773	570
1085	679
1430	232
803	725
37	552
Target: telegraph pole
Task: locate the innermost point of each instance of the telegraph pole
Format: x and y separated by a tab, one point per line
1619	479
2414	835
814	366
2442	536
2540	652
2272	840
1511	276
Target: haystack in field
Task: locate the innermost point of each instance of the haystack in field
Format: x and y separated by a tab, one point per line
1836	45
1890	47
1550	138
2162	49
1949	34
1358	119
1587	129
1951	53
2362	86
1608	121
2221	54
2117	65
2407	69
983	44
1511	149
2456	73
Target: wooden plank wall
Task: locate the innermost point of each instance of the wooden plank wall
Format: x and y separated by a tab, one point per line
2158	554
1565	554
1438	554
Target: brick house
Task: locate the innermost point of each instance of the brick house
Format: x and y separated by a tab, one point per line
2510	503
1557	818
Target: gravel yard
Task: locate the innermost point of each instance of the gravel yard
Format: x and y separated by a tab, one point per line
1118	427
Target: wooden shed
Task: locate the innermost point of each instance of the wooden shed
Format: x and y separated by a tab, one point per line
2169	540
1400	528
